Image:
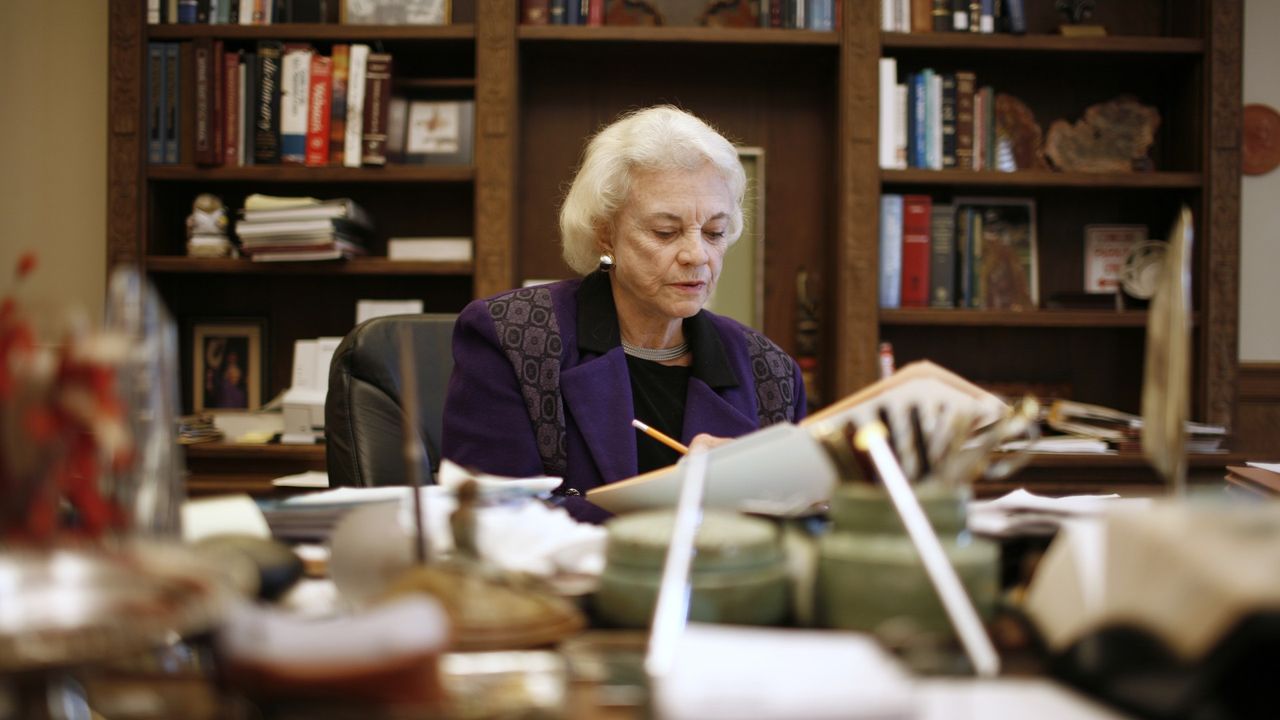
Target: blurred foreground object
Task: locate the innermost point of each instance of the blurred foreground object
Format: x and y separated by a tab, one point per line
1173	611
1166	382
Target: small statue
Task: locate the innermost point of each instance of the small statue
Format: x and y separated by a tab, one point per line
207	228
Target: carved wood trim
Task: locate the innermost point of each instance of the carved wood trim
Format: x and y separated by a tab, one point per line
854	320
1221	296
497	75
124	139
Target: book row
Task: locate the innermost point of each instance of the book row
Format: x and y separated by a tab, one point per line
819	15
940	121
271	12
969	253
978	16
288	104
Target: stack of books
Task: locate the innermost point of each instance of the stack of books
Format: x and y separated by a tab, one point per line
274	229
1122	431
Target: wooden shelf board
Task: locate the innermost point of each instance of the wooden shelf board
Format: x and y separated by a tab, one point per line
176	264
1041	178
1002	42
428	83
1012	318
742	36
313	31
269	451
302	174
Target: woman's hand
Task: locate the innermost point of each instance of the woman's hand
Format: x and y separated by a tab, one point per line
703	441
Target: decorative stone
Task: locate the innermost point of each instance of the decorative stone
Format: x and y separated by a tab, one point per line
1114	136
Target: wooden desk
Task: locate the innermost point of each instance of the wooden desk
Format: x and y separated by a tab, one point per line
1127	474
217	468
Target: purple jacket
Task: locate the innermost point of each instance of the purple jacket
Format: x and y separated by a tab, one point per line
571	414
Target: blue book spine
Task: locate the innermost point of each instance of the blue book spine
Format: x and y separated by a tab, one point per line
930	117
155	103
919	105
558	10
912	94
187	11
890	251
171	124
573	13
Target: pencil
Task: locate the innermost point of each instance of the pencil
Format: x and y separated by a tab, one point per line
660	437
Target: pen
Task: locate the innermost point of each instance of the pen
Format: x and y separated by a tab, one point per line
660	437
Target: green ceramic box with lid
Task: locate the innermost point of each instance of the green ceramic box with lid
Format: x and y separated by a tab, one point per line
869	572
739	572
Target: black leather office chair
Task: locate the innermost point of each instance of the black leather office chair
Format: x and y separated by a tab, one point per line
362	412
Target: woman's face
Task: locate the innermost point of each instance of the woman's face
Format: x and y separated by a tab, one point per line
668	242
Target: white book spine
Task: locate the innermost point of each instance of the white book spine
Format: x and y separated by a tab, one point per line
900	127
935	122
902	15
153	12
888	106
355	105
246	12
295	84
886	15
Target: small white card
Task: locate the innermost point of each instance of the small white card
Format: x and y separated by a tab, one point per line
370	309
1105	250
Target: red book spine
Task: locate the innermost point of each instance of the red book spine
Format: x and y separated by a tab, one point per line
338	104
917	212
231	108
318	111
595	13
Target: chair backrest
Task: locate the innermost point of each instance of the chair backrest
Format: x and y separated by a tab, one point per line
362	412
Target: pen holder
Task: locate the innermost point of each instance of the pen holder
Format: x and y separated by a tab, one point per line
739	573
870	576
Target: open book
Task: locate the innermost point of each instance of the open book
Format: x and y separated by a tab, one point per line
784	469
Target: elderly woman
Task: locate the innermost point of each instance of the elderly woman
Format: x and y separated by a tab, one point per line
547	379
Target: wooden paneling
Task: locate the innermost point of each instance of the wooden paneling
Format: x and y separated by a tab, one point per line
1257	426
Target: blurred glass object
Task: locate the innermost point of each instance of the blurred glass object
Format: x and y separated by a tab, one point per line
1166	383
150	490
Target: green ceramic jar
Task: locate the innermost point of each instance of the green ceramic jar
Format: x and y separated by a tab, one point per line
869	572
739	573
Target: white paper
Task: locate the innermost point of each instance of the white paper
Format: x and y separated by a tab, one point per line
370	309
1005	699
223	515
724	672
304	363
308	479
1273	467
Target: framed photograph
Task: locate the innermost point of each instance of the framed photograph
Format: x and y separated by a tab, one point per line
740	292
227	364
439	132
998	264
1105	250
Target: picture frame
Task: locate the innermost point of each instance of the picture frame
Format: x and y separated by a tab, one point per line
227	364
1001	270
439	132
1105	249
739	293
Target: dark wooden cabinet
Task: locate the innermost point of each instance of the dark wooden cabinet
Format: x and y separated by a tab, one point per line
809	99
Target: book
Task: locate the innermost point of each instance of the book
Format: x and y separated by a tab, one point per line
438	249
942	257
888	107
295	94
1016	16
155	101
965	82
356	67
204	109
933	119
249	230
376	104
1105	250
231	108
1264	482
312	209
535	12
922	16
266	103
960	15
1003	248
941	14
890	250
321	77
948	115
916	220
338	105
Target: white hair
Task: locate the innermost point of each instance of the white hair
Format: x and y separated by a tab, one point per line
662	137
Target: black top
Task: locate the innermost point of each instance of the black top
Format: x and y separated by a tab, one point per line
658	392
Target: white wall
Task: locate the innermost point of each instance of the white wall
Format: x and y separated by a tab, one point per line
53	154
1260	196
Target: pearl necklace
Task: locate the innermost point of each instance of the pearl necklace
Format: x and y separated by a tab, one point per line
655	355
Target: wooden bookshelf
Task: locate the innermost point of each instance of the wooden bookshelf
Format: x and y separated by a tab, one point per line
809	99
